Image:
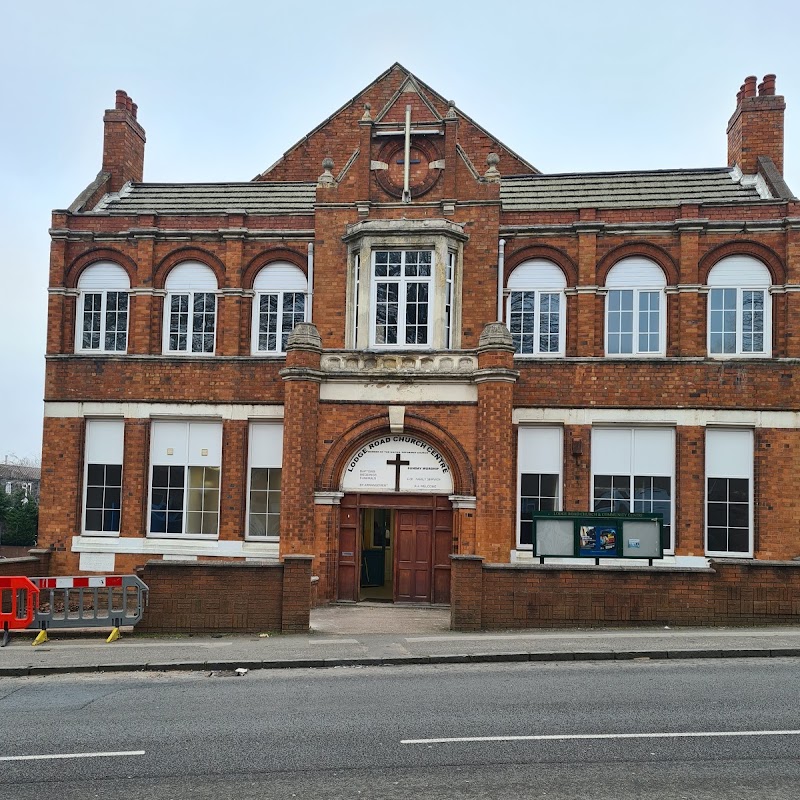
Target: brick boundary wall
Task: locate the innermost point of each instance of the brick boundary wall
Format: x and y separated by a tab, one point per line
34	565
227	596
730	592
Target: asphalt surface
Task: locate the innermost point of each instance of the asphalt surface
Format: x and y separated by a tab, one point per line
377	634
662	729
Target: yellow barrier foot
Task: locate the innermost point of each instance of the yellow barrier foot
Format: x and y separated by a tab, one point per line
113	636
41	638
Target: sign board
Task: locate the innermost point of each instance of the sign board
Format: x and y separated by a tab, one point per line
397	463
597	535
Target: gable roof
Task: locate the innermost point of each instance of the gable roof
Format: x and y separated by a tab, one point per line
669	187
410	79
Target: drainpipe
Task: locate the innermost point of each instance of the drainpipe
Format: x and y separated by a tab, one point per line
310	298
501	260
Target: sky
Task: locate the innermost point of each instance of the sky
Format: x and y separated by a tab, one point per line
224	89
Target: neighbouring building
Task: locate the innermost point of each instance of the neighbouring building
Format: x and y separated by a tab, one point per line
20	478
401	339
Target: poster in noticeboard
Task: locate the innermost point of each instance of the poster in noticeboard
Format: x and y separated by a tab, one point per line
598	539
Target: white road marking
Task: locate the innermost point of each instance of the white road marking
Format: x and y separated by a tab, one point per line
73	755
478	637
333	641
563	737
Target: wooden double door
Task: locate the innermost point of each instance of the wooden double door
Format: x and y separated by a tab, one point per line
422	529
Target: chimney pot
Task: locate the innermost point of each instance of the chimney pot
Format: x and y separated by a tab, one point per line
134	109
767	86
129	104
121	99
750	86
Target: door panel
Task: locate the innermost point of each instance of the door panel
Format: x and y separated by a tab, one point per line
349	556
414	542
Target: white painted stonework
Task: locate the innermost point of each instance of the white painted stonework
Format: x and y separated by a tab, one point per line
398	463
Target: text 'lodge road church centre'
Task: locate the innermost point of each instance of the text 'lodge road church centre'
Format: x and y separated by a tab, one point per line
402	339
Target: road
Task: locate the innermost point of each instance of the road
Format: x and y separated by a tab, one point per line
365	732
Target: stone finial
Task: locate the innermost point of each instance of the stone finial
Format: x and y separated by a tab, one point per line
495	336
451	110
492	173
366	116
326	179
305	336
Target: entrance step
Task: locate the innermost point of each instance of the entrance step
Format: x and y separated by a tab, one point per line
366	617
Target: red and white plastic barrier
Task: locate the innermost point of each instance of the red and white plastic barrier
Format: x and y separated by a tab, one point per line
79	583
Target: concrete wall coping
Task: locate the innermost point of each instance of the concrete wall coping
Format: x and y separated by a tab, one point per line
599	569
751	562
19	560
215	564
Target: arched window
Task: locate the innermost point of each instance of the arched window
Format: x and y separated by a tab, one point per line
190	309
279	304
739	308
635	318
535	308
103	309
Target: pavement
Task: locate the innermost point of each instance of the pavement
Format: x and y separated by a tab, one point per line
374	634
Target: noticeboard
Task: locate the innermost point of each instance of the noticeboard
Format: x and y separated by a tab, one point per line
597	535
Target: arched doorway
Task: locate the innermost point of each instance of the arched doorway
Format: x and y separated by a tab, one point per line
396	522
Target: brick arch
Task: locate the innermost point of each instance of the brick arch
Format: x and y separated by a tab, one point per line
188	254
554	254
85	260
366	430
266	257
644	249
745	247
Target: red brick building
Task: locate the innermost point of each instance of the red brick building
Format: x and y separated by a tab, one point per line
401	339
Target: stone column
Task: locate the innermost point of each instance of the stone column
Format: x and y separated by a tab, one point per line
300	413
496	495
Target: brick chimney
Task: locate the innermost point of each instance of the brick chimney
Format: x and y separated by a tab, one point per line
123	143
756	127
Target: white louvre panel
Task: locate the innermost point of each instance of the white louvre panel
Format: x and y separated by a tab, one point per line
729	453
168	443
104	275
634	272
653	451
611	451
205	444
191	276
280	276
540	450
104	441
537	274
737	271
266	445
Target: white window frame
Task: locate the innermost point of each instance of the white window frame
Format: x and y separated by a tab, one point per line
632	473
189	278
441	237
741	471
742	274
539	276
638	275
402	281
538	459
104	444
185	459
102	278
273	433
279	279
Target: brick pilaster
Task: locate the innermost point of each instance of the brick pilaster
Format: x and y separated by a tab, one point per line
466	593
496	501
296	598
301	408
